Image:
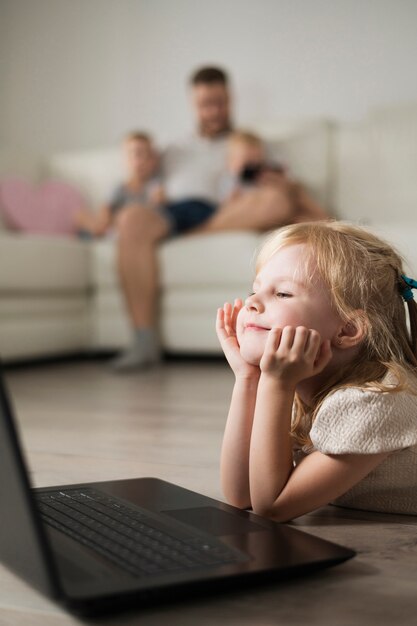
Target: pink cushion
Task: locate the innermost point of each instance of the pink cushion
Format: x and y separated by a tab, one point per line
48	208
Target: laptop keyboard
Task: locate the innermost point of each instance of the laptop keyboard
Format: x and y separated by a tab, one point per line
132	538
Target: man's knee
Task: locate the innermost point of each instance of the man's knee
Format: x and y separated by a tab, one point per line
129	220
138	223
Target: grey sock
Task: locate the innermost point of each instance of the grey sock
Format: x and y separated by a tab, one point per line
144	351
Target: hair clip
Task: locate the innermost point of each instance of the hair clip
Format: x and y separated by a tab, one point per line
406	292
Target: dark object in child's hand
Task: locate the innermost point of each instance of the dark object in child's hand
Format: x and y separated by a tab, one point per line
252	171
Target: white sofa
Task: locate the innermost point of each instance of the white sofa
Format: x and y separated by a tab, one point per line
59	295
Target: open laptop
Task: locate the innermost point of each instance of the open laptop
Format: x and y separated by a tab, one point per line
96	547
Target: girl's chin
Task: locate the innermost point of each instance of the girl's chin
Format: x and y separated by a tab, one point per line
252	346
251	356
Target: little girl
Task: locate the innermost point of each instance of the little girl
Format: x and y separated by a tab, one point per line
324	406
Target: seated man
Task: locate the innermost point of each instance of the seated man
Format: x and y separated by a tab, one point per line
192	173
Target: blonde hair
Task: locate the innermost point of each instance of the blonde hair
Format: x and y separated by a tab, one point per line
245	137
363	275
138	135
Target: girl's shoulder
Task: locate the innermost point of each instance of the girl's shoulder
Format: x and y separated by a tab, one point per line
366	421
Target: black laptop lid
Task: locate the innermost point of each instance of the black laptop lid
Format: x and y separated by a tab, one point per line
23	544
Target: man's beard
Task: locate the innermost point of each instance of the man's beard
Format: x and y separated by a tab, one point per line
207	131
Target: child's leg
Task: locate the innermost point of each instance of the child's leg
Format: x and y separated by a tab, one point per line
257	210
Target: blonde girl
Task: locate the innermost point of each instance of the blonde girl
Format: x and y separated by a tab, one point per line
324	406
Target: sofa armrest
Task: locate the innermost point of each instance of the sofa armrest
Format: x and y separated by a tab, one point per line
377	166
306	146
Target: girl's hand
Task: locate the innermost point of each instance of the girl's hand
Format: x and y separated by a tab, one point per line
226	332
294	354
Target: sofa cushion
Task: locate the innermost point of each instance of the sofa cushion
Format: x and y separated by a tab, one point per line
200	260
32	263
207	260
47	334
376	167
95	173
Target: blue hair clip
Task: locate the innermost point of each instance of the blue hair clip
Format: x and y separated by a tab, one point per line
407	293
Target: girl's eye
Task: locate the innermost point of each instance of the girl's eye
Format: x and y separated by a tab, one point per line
282	294
251	294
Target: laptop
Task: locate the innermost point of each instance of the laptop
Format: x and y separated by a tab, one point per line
99	547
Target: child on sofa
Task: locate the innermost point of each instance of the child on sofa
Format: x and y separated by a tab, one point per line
325	399
142	186
248	168
246	163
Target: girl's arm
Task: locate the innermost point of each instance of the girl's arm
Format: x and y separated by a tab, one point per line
234	464
277	489
103	220
271	460
92	222
318	480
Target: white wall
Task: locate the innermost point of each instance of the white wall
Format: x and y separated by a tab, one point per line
78	73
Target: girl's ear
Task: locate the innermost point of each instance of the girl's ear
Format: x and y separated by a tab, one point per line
352	333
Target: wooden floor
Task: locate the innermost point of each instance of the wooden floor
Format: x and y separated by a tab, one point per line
79	422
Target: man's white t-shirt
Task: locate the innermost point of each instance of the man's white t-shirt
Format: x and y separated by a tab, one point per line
193	168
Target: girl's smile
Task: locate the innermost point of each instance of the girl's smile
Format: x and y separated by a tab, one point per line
256	328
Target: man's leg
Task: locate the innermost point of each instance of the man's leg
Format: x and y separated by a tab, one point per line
139	231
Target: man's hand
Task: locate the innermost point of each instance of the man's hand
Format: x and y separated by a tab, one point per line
294	354
226	332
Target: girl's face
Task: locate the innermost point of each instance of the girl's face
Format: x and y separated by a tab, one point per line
285	294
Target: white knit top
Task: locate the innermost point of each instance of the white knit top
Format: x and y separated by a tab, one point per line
364	421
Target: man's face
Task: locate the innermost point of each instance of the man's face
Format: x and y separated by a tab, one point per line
211	103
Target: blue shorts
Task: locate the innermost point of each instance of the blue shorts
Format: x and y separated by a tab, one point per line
184	215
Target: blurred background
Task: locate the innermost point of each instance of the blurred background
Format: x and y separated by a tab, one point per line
77	74
328	84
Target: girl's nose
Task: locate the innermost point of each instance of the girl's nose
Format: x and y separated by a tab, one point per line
253	303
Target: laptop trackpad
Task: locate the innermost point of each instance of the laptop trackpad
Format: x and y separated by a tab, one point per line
214	521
